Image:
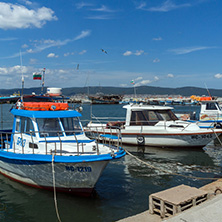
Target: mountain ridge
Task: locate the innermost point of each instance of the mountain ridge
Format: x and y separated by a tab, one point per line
149	90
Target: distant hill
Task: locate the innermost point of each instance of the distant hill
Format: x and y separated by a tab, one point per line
151	90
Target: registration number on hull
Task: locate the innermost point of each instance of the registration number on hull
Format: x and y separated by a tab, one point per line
79	169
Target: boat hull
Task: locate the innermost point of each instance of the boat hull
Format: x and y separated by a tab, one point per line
77	178
168	140
165	139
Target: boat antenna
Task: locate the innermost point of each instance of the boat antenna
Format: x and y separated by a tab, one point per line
23	81
43	80
207	90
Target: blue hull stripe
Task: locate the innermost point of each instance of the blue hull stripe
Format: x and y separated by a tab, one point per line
66	141
35	158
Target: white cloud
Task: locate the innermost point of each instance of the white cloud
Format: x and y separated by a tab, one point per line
103	8
187	50
82	52
170	75
82	35
156	78
45	44
13	70
137	53
83	4
25	46
19	17
8	39
156	60
157	39
52	55
100	17
142	5
138	78
127	53
29	51
218	75
166	6
141	82
33	61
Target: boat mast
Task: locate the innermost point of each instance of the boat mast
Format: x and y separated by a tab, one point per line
43	80
23	81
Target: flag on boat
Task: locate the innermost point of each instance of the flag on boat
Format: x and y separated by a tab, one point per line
132	82
37	76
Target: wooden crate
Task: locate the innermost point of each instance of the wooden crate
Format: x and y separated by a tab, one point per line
175	200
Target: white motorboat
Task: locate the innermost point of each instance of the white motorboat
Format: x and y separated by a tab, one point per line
47	148
156	126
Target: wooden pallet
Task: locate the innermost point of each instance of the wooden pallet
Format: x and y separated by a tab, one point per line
175	200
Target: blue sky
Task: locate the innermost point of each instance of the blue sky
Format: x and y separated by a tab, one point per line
166	43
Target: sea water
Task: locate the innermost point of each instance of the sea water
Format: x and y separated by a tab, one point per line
123	188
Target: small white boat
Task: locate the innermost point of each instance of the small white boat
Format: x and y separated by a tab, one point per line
210	115
156	126
47	148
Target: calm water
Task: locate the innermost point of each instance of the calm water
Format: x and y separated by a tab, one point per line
122	190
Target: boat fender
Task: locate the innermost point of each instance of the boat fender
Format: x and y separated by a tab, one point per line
217	125
140	140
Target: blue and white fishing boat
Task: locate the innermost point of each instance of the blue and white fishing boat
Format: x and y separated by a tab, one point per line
47	148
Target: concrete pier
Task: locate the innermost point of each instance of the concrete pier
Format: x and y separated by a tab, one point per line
209	210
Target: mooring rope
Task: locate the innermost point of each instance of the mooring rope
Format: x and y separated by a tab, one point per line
218	138
165	171
54	188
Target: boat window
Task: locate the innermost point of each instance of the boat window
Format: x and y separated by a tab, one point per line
29	129
138	118
71	125
24	125
151	117
17	127
211	106
166	115
49	127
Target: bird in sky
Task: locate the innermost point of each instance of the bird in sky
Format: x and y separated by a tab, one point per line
104	51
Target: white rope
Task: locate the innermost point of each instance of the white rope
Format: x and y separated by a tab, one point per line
54	188
218	138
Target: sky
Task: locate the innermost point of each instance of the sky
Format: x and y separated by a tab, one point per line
164	43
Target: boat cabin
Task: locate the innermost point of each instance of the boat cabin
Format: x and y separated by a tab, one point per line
210	110
146	115
42	130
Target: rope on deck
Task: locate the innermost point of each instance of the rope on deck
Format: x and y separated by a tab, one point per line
54	188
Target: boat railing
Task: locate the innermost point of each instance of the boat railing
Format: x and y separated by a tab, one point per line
8	142
103	120
106	134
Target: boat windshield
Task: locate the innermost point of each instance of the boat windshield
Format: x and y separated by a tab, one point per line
213	106
151	117
71	125
51	127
